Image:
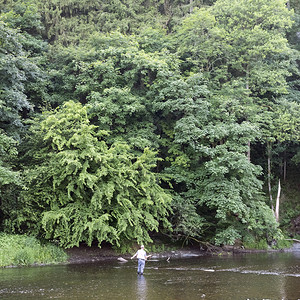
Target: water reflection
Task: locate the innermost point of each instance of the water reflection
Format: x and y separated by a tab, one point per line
296	254
141	287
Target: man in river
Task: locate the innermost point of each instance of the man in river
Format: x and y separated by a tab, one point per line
142	257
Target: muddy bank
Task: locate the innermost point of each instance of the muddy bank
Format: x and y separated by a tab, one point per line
85	254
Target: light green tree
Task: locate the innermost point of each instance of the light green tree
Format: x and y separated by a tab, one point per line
82	190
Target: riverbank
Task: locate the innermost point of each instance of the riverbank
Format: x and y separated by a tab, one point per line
86	254
24	251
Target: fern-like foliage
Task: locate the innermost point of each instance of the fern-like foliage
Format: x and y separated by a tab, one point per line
82	190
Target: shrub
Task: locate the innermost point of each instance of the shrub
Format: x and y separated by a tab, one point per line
259	245
22	250
282	244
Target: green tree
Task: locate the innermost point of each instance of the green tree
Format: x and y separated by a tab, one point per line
216	177
10	179
24	19
240	42
21	82
81	190
173	99
241	46
14	68
69	22
114	76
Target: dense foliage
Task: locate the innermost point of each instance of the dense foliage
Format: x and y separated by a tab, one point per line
119	119
81	189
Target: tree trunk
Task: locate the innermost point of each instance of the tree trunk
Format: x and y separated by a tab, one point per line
277	202
284	166
249	151
247	88
269	174
167	7
247	77
191	6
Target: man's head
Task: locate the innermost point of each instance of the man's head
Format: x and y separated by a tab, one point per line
142	246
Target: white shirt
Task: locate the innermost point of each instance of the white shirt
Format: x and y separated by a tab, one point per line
141	254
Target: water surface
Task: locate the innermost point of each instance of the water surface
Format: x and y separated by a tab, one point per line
243	276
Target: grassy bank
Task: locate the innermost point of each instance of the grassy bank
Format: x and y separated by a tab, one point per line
22	250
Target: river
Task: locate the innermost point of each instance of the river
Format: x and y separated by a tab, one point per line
243	276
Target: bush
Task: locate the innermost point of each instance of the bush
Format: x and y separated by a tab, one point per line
21	250
259	245
283	244
227	236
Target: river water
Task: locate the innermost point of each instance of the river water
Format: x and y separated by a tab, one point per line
242	276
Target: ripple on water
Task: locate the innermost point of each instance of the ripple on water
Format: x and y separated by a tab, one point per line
237	270
259	272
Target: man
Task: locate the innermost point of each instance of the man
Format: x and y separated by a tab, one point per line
142	257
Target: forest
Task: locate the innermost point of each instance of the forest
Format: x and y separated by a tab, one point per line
123	119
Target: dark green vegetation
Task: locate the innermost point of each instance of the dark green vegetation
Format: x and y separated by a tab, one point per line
119	119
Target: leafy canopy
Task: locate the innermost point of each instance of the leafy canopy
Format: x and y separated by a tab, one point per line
81	190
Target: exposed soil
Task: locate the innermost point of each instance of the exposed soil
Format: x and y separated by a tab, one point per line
86	254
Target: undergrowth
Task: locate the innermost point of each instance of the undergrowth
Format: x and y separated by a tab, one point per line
22	250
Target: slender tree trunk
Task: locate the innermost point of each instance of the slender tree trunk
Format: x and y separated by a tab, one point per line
277	202
167	7
247	77
269	174
247	88
191	6
284	166
249	151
